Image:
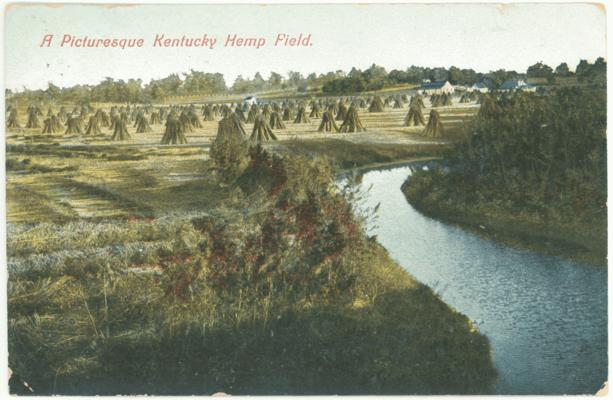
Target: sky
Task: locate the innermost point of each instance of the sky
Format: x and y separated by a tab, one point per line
484	37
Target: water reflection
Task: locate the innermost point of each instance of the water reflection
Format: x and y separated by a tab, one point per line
546	318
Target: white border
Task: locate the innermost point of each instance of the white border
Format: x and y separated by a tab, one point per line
3	259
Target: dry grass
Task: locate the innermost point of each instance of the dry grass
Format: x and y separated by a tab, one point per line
107	184
68	178
381	128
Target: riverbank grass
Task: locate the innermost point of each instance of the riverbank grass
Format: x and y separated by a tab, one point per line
345	155
435	194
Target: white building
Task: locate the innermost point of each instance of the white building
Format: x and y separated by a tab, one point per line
437	87
479	87
517	84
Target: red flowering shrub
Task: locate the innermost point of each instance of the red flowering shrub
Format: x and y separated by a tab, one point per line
295	240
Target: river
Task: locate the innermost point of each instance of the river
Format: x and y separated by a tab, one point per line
545	317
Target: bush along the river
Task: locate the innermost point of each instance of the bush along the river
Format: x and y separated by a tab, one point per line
280	291
531	171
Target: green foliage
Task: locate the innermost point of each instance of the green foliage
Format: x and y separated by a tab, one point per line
376	78
529	158
133	90
562	70
541	148
229	155
592	73
539	70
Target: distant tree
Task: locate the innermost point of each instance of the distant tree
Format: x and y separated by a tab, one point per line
496	78
294	78
415	74
354	73
258	81
53	91
157	92
275	80
582	67
375	72
469	77
375	77
242	85
327	77
562	70
312	77
201	82
598	72
397	76
593	73
539	70
168	86
133	89
600	62
455	75
439	74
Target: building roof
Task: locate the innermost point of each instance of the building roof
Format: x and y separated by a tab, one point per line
514	84
434	85
480	85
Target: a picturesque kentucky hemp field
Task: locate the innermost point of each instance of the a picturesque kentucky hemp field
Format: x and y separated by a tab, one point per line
229	244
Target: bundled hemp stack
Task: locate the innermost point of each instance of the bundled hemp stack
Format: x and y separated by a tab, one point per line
301	117
327	121
121	128
376	105
352	122
174	133
261	130
434	128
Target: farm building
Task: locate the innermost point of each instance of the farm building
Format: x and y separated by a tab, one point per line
517	84
437	87
480	87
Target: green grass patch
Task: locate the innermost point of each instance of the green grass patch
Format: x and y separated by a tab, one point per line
346	155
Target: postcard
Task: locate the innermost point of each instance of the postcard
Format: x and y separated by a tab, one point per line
306	199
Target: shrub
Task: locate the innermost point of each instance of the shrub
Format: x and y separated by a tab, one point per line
229	156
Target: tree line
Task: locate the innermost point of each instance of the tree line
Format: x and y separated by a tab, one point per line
375	77
332	83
